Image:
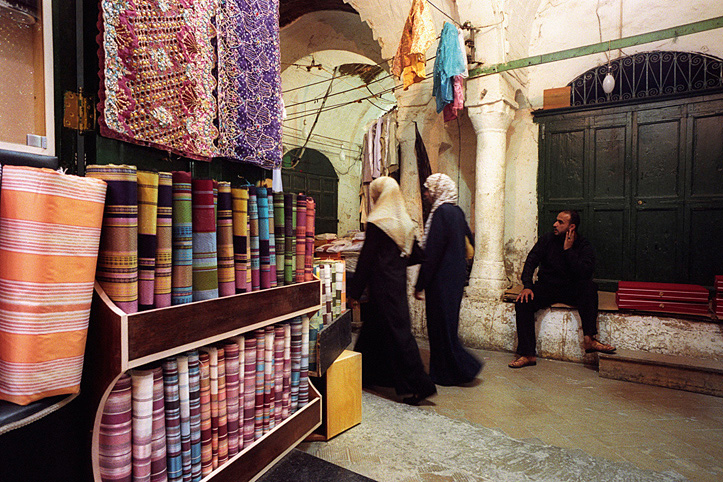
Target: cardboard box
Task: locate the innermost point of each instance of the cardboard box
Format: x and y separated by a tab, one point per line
556	98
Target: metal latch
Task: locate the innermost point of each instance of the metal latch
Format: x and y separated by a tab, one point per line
78	112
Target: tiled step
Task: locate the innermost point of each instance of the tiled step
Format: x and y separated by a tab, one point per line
678	372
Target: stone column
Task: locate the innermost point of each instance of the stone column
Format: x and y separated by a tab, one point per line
491	121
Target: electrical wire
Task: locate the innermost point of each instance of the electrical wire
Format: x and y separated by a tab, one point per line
445	14
341	141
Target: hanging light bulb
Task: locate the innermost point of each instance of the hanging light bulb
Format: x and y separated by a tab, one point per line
608	83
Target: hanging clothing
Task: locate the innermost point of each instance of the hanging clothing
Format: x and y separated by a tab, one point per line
442	277
418	34
449	62
451	110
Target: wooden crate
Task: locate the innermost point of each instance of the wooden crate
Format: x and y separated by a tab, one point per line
556	98
341	388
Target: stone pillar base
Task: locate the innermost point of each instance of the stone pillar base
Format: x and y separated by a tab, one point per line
486	289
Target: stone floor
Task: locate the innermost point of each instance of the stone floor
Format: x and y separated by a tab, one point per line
555	421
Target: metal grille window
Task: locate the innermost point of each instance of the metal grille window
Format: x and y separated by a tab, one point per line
648	74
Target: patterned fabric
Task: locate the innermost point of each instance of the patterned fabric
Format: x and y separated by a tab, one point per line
231	351
226	270
249	82
184	397
249	389
118	257
289	238
451	110
304	365
157	79
240	237
173	420
272	241
158	443
164	248
279	237
194	395
310	228
142	394
449	62
285	398
260	374
182	279
147	242
49	238
212	353
254	240
417	36
295	364
300	237
443	190
222	408
205	270
269	379
115	442
278	372
206	424
262	201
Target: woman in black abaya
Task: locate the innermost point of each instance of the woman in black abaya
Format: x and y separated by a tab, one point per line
390	355
442	278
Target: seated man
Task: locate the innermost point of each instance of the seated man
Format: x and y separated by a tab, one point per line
566	260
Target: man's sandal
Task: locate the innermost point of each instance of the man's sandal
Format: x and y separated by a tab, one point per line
521	362
596	346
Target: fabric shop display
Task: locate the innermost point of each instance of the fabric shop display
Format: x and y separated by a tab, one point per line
231	353
240	237
170	73
225	254
262	201
260	336
205	269
279	236
300	238
142	397
118	257
158	440
182	272
164	245
147	241
310	233
194	405
289	237
173	420
273	282
254	240
50	230
249	409
184	398
115	455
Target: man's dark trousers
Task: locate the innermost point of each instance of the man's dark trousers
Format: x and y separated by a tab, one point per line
583	295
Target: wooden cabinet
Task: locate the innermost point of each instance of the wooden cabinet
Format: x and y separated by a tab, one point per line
118	342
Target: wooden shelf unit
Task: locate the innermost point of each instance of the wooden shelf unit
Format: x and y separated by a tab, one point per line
118	342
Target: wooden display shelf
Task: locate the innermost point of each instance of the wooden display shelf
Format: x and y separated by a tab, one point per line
118	341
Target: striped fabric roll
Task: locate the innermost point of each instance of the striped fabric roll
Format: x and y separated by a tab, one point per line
310	232
173	420
50	230
260	374
278	371
249	390
262	200
194	396
289	237
142	394
225	256
300	238
254	240
231	351
205	269
269	378
212	353
279	236
304	368
182	279
222	408
147	242
206	424
158	444
295	364
328	299
240	198
272	242
340	280
115	439
184	397
118	258
164	235
287	372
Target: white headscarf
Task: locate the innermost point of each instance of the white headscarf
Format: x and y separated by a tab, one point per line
389	214
443	190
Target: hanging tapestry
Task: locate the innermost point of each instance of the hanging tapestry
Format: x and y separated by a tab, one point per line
249	94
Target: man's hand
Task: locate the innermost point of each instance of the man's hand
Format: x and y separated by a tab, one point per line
419	295
570	238
525	296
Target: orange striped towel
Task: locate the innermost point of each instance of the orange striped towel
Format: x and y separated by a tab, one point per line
50	227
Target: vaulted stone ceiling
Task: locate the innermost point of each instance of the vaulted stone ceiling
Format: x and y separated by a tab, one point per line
290	10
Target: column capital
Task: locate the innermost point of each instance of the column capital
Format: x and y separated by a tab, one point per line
495	116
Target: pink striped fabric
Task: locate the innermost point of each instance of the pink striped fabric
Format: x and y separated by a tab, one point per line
249	390
300	238
269	392
222	408
184	398
278	371
310	231
142	393
225	255
206	426
260	360
158	443
164	235
50	227
115	448
231	352
285	398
